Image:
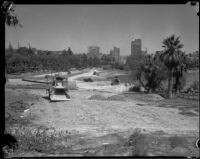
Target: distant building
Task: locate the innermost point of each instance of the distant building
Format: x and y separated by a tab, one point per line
136	47
115	55
94	51
123	59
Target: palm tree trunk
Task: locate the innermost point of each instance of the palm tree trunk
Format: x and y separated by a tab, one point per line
177	84
170	83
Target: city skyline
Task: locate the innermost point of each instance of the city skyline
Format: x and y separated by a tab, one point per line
80	26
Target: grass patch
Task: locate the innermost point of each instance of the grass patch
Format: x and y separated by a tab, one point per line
41	139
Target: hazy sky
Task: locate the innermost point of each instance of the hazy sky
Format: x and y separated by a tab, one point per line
57	27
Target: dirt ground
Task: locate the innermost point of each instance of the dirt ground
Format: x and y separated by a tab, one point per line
102	122
99	117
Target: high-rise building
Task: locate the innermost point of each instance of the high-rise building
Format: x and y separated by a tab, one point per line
136	47
115	54
94	51
136	56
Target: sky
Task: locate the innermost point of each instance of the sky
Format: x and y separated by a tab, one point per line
57	27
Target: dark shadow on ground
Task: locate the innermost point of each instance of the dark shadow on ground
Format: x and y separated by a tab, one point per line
46	97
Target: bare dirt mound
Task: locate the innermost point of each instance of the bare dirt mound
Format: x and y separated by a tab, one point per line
97	97
125	97
144	97
116	98
111	98
154	97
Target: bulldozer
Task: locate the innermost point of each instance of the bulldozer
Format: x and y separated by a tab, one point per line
58	89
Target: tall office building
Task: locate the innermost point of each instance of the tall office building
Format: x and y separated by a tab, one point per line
136	56
136	47
94	51
115	54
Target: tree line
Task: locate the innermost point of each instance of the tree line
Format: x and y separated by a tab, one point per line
24	59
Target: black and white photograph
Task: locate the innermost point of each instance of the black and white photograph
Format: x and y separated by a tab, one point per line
101	80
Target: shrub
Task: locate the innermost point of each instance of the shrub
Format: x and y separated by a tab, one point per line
151	73
88	80
134	89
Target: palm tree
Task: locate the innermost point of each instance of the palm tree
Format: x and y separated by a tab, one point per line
178	72
11	18
171	58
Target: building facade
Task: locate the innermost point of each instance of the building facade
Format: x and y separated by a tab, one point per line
93	51
115	55
136	47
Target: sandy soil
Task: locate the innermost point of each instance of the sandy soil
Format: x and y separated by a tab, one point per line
102	117
99	85
97	123
97	117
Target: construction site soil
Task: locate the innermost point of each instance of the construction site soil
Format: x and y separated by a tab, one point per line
100	123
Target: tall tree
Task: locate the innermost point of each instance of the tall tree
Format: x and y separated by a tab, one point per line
69	51
171	58
10	20
178	72
10	16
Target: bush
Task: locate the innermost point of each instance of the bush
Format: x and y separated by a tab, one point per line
134	89
151	73
88	80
